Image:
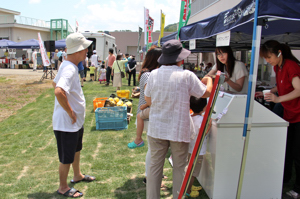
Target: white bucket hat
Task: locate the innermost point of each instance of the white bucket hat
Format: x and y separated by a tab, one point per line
76	42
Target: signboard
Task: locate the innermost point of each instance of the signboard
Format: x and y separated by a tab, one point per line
12	51
192	45
223	39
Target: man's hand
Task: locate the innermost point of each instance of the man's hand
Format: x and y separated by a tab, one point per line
63	101
73	116
205	79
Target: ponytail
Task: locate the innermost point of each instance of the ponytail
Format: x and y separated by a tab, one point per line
273	46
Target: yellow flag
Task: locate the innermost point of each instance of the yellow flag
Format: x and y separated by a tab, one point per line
162	26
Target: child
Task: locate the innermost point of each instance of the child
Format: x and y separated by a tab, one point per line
144	114
102	75
92	72
198	106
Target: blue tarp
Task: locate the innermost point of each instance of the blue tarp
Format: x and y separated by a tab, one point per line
60	43
4	43
281	22
168	37
31	43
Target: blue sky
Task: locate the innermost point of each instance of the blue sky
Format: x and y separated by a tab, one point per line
94	15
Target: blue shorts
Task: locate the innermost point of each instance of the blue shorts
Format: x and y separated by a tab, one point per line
68	143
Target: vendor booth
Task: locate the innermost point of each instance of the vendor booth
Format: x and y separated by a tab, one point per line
26	47
266	152
238	165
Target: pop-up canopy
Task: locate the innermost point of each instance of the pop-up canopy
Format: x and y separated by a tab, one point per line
60	43
4	43
280	20
31	43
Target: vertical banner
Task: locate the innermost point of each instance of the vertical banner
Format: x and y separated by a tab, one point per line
185	12
139	39
146	17
150	29
45	58
162	26
77	26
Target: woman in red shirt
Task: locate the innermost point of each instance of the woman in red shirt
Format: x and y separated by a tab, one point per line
287	69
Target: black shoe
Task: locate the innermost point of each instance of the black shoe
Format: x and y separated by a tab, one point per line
145	181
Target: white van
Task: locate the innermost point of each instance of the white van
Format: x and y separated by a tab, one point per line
101	43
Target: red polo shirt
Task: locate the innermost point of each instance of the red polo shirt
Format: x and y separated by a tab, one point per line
284	78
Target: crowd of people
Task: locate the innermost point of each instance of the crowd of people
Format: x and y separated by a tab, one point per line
163	82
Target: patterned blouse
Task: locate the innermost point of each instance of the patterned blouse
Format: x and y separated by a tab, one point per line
143	82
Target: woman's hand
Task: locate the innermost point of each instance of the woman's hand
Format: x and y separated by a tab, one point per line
270	97
226	78
259	94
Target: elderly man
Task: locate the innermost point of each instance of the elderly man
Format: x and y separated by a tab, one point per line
69	114
168	92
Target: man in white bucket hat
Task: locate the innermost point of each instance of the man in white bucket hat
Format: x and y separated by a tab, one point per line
69	114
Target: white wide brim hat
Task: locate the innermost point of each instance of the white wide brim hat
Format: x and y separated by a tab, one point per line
77	42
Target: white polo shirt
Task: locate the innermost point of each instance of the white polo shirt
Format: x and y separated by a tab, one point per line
67	78
170	88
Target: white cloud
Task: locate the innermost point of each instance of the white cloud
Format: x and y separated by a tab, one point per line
80	3
34	1
126	15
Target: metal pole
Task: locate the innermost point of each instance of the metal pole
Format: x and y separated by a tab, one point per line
250	97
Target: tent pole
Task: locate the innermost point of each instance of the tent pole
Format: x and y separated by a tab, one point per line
256	38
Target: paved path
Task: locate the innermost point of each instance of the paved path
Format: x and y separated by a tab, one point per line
29	72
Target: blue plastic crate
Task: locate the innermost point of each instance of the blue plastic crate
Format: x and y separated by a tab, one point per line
111	118
112	124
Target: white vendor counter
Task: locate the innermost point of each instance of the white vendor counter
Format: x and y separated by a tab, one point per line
266	151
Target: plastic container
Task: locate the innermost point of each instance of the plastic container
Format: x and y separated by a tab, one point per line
111	118
123	94
99	102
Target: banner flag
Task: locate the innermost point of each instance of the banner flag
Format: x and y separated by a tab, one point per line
140	34
77	26
150	29
45	58
146	17
185	12
162	27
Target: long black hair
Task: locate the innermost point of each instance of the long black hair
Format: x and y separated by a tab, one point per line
273	46
230	59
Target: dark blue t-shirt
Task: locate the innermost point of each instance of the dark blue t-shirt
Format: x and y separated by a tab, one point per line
80	66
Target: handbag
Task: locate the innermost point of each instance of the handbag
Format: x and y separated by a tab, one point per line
122	73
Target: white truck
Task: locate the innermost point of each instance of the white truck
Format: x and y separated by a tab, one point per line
101	43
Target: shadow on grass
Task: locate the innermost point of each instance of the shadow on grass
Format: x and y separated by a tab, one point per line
35	82
135	188
44	195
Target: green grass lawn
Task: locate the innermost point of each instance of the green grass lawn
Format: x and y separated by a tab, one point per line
29	160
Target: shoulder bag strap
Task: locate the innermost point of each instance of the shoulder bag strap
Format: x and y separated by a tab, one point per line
118	66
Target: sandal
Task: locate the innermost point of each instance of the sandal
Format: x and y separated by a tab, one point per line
71	192
86	178
133	145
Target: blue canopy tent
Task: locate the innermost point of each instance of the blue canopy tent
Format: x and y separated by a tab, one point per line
250	23
4	43
280	21
31	43
60	43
